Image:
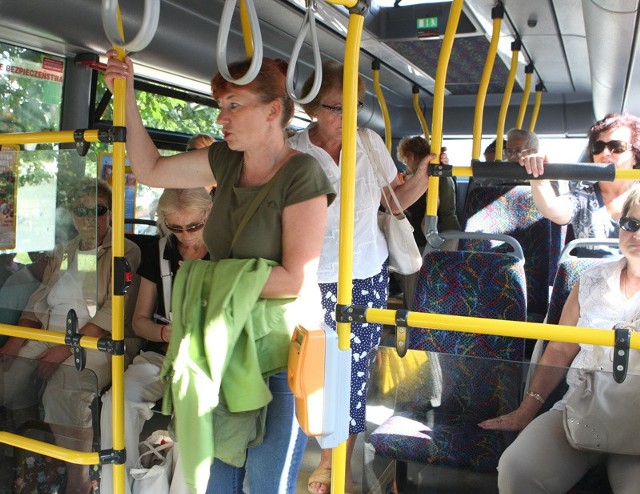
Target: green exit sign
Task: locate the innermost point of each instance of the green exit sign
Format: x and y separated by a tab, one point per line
427	26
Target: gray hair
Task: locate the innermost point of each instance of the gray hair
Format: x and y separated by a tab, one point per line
530	139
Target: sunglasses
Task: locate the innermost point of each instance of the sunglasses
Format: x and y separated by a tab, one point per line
629	224
338	108
193	227
82	211
613	146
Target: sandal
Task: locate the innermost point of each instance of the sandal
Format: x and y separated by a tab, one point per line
320	476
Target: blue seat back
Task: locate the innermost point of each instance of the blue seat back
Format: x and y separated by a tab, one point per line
510	210
481	375
479	284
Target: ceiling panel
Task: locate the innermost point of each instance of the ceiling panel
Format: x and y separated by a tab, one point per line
466	63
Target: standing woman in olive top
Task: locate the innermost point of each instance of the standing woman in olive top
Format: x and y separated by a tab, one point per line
323	140
287	229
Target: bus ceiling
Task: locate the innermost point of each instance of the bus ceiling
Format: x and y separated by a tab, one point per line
584	52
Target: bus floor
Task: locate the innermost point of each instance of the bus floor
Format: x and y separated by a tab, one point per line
375	475
372	474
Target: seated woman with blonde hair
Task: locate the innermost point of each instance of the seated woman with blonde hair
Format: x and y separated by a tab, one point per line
182	214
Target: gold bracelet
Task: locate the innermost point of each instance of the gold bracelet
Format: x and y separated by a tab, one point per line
536	396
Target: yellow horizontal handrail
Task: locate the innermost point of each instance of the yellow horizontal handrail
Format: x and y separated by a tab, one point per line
501	327
64	454
344	3
46	335
89	135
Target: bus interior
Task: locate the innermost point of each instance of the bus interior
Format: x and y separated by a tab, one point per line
577	57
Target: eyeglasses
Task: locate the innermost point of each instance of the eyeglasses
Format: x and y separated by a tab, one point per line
192	228
81	211
516	153
338	108
613	146
629	224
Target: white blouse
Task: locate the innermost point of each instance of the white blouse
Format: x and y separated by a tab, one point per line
602	305
370	247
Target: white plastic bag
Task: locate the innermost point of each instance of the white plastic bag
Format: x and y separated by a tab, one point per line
153	469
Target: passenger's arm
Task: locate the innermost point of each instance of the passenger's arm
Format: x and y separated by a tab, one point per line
13	345
179	171
52	357
549	372
558	209
143	324
411	190
303	226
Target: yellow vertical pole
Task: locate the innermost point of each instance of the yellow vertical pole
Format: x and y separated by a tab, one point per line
117	307
506	97
416	107
528	70
245	22
438	100
536	107
347	207
497	13
375	65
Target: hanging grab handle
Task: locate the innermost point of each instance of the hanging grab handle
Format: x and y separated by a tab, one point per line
223	37
111	25
308	23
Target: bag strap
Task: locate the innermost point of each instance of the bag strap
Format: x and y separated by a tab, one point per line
253	207
156	449
165	273
377	168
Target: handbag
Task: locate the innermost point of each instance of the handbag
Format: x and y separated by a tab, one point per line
602	414
153	469
404	255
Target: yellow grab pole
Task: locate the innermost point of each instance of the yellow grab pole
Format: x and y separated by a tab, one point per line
438	100
501	327
346	3
419	114
46	449
117	305
497	13
55	337
506	97
375	65
347	207
245	22
54	137
528	71
536	107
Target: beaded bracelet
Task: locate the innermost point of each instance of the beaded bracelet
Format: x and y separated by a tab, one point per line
536	396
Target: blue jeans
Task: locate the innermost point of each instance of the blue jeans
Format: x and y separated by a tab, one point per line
273	465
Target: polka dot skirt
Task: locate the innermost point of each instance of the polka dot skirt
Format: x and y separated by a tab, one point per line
372	292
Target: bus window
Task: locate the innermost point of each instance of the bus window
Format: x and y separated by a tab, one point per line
30	90
170	110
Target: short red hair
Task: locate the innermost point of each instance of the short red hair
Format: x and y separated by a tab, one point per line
269	84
